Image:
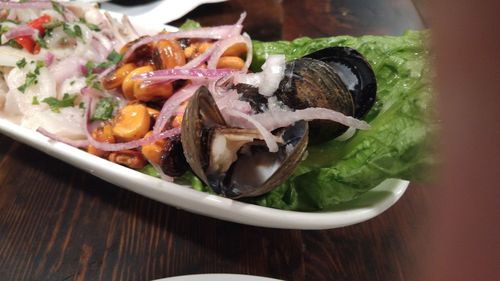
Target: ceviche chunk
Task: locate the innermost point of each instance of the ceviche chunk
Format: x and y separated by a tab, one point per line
49	52
180	103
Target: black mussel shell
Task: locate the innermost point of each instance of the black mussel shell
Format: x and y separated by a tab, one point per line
314	83
355	72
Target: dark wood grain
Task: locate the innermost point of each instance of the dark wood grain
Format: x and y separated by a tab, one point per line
59	223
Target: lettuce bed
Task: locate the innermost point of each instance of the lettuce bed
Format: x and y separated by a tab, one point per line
395	147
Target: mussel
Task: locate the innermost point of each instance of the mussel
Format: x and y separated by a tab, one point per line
235	162
337	78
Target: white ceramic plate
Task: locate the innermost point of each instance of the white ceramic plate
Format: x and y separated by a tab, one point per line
369	205
217	277
366	207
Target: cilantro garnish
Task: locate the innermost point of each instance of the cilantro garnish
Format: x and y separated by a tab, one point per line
41	41
14	44
91	26
74	32
57	7
104	109
21	63
35	101
31	77
4	29
56	104
114	57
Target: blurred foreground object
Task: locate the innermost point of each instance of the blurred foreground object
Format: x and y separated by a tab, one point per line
466	229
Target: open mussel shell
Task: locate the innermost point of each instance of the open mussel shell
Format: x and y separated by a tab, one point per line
235	162
356	74
314	83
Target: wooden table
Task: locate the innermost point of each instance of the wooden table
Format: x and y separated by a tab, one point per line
59	223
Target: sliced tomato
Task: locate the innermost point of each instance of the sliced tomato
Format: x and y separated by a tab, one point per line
27	42
39	22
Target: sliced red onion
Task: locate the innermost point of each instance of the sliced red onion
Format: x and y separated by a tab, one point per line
131	144
225	44
26	5
21	30
171	105
279	118
177	73
75	143
266	134
90	92
49	59
106	71
217	32
66	68
197	61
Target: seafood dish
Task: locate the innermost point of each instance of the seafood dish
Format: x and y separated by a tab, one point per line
205	106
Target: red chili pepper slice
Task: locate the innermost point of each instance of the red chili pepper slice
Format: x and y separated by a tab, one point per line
26	41
39	22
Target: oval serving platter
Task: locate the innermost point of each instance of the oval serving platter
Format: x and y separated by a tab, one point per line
367	206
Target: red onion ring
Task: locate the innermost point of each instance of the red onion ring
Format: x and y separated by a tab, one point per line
49	59
21	30
171	106
223	45
178	73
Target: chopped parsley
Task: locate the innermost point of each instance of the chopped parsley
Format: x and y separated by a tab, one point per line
104	109
57	7
31	77
81	105
35	101
41	41
12	43
4	29
92	81
91	26
56	104
114	57
21	63
72	82
74	32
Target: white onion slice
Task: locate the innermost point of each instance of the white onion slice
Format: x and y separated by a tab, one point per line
277	119
273	72
74	143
